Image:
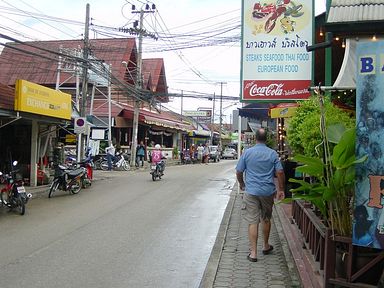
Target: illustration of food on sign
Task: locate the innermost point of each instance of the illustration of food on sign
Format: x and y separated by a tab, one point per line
267	14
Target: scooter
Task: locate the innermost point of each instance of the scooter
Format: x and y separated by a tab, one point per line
157	170
67	180
13	195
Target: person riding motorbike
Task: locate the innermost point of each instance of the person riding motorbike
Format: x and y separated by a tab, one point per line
156	158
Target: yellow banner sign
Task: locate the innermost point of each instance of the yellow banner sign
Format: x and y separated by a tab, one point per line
37	99
282	112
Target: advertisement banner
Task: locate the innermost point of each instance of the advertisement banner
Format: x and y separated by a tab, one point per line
368	224
37	99
275	63
283	110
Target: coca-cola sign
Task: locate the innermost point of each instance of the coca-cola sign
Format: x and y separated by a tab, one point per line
276	90
270	90
275	62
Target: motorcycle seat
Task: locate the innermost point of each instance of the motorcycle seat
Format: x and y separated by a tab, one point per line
74	173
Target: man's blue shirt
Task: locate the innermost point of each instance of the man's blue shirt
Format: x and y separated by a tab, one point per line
260	164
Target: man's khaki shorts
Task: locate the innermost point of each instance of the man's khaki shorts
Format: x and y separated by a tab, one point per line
257	207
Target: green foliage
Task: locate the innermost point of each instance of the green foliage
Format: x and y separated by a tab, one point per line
303	133
271	139
333	189
175	152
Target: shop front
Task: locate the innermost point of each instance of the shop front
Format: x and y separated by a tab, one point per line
29	127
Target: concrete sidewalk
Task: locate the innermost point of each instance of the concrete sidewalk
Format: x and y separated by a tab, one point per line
228	265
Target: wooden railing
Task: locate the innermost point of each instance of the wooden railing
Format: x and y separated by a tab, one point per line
322	244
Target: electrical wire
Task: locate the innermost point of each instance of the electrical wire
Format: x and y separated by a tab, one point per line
37	18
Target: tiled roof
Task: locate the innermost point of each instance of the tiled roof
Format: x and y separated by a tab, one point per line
154	75
355	11
7	97
41	67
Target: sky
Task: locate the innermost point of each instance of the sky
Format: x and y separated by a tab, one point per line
198	39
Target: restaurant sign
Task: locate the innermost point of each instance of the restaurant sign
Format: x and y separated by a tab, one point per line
275	62
37	99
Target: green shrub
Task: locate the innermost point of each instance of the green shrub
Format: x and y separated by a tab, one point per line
303	133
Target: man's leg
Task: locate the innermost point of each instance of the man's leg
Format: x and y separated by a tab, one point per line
267	207
252	235
266	232
109	160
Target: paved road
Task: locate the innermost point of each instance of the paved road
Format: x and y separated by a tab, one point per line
126	231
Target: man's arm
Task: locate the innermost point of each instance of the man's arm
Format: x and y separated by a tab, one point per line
281	184
239	176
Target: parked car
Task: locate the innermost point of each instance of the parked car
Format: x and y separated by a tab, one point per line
229	153
214	153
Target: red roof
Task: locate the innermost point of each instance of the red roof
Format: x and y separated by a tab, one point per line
7	97
40	67
154	77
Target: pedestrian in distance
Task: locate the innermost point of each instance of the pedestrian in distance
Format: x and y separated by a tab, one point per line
110	150
206	154
261	165
140	154
200	150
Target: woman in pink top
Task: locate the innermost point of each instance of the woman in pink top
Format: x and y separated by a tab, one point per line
157	156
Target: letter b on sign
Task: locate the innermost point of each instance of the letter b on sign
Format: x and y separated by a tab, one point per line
367	65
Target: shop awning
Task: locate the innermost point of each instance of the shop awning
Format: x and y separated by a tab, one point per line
202	133
166	123
347	73
256	110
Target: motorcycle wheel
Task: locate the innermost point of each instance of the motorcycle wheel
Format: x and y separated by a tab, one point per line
154	176
76	186
96	164
53	188
104	165
86	182
125	166
20	205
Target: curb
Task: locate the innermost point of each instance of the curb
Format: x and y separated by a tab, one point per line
210	271
280	222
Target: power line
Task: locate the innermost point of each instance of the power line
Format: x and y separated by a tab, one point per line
37	18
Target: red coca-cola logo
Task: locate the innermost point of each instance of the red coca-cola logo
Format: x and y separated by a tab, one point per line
270	90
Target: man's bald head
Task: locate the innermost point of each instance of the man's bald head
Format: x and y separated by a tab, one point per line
261	135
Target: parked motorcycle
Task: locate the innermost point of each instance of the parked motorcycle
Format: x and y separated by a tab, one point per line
157	170
13	195
119	162
67	179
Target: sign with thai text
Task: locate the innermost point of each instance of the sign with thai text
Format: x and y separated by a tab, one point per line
275	63
368	224
195	113
37	99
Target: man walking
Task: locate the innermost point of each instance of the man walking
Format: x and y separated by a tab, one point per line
260	165
140	154
110	150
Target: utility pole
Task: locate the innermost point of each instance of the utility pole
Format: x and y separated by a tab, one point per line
140	33
84	90
213	117
221	112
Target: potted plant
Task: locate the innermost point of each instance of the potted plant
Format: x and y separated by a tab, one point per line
333	179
